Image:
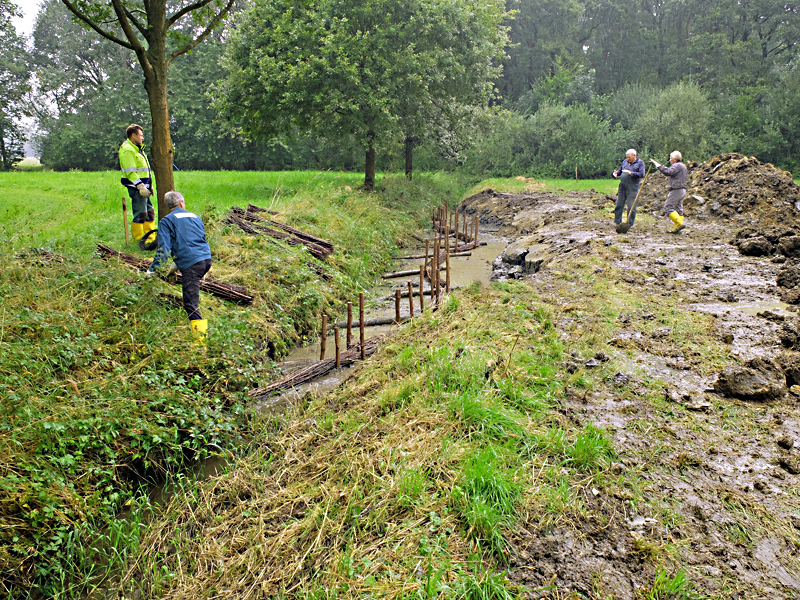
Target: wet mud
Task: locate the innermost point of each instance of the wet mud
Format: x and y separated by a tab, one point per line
719	467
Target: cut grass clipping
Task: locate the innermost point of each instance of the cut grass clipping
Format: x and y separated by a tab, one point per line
406	483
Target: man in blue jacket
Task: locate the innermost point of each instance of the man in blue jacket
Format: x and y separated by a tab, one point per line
181	234
630	178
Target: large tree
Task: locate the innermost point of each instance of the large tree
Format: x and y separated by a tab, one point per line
13	87
157	33
368	68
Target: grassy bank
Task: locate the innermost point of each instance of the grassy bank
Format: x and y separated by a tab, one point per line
102	390
429	473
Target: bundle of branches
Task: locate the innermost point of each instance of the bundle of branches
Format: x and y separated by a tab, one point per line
234	293
306	238
257	209
250	226
301	234
318	369
252	223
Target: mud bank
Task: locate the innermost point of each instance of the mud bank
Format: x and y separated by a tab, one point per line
720	473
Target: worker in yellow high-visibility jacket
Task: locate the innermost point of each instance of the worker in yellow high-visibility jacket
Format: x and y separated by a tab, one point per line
136	177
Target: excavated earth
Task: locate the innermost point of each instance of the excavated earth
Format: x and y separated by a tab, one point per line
720	466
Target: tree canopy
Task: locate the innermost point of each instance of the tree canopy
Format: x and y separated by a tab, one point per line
355	67
14	73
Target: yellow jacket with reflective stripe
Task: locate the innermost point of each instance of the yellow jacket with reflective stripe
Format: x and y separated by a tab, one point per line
134	165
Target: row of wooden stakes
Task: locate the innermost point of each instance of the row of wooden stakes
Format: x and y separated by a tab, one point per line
431	269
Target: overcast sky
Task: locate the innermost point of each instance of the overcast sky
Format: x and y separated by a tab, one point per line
30	9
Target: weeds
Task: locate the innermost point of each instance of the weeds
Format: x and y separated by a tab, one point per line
101	388
666	587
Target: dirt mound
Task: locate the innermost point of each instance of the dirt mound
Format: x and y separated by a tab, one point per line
732	187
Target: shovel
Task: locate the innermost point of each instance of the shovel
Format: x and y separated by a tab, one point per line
626	225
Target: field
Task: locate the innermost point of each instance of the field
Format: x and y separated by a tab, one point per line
553	437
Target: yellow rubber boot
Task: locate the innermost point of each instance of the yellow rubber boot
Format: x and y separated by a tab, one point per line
137	231
148	226
677	220
199	331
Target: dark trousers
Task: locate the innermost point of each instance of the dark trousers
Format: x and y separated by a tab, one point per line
190	281
141	207
625	197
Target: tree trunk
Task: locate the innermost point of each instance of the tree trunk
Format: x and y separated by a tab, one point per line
409	157
162	150
369	169
4	162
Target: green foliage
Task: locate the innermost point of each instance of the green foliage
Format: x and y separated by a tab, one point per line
678	119
551	143
488	496
365	69
591	449
666	587
569	86
14	72
491	586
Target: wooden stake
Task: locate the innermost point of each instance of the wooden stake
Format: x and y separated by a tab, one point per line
435	273
125	219
397	306
338	350
410	298
447	273
427	245
349	325
361	324
323	336
421	284
456	228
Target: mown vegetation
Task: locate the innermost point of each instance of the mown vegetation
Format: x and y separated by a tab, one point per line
102	391
422	476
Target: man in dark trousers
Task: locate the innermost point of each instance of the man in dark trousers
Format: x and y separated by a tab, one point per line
181	234
630	178
136	177
677	178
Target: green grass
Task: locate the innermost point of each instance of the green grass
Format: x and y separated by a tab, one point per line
102	390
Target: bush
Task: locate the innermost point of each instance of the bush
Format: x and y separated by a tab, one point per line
679	118
555	141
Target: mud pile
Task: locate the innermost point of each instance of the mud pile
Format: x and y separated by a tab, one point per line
754	241
732	187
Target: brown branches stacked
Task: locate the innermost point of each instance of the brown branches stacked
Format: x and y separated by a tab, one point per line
318	369
234	293
254	224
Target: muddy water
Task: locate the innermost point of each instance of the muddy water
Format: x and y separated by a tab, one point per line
464	271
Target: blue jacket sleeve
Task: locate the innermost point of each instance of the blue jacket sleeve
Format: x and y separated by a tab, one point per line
166	233
638	168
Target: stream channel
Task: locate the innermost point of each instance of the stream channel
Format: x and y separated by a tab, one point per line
464	271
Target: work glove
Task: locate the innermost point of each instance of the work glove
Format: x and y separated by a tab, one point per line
149	273
172	274
143	191
655	163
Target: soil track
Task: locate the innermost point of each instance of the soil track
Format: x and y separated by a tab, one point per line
721	475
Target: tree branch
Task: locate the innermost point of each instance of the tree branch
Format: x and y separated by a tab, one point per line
135	44
211	26
132	18
109	36
186	10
